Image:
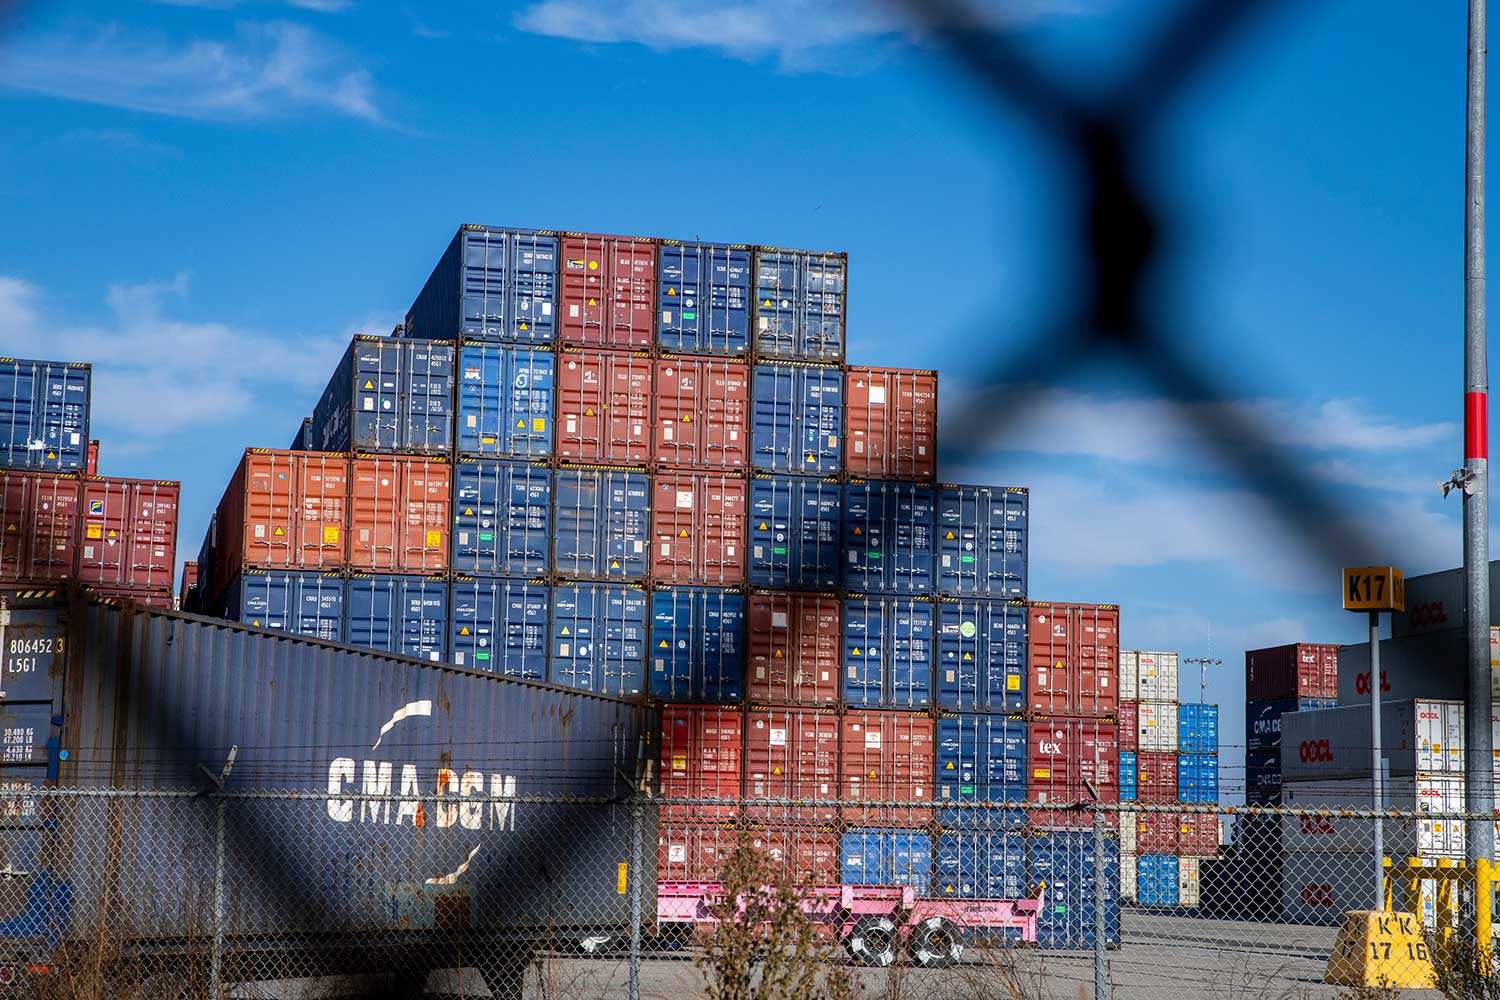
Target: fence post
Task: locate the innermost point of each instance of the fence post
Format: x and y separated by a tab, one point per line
1101	893
637	881
216	957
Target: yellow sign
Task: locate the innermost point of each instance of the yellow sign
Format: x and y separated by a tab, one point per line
1380	949
434	539
330	535
622	878
95	531
1374	588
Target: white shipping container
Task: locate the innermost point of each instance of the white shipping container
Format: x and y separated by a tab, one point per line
1127	877
1129	675
1187	882
1158	677
1417	736
1156	726
1418	666
1127	833
1318	888
1404	838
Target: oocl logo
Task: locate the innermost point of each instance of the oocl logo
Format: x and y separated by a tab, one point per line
1317	894
1314	751
1362	683
1317	825
1427	615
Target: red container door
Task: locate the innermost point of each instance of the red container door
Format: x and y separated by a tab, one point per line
1272	673
692	852
891	423
129	533
792	754
426	501
260	512
698	522
700	759
1156	833
38	525
702	407
1063	754
1129	716
322	510
375	513
91	464
793	645
799	852
1156	777
1075	656
604	407
1317	670
608	291
1198	835
886	761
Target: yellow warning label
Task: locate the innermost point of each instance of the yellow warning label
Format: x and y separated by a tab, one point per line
330	535
662	644
1012	683
589	412
1041	772
682	533
369	384
810	457
10	527
776	770
520	425
777	655
434	539
762	526
679	762
113	533
1380	949
565	631
858	531
51	454
593	302
525	326
464	630
856	651
538	423
767	303
949	536
593	265
950	766
278	533
622	879
95	531
256	622
468	512
671	291
686	419
872	774
968	656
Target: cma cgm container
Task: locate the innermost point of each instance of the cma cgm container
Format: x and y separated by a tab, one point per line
128	532
980	866
890	423
702	415
982	540
698	528
502	518
490	284
299	603
703	298
608	291
505	400
598	638
1263	777
1416	737
1074	658
700	759
284	510
981	771
499	625
1064	759
981	654
398	614
1263	720
888	537
792	753
38	525
1299	670
885	767
886	857
600	523
797	418
795	524
794	648
799	304
388	395
1066	864
1198	728
604	407
1148	676
44	414
697	644
399	513
888	652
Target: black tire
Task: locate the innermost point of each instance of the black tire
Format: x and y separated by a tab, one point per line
872	941
936	943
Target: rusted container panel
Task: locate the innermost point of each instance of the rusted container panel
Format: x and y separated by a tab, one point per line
128	533
608	291
283	510
1298	670
890	420
792	753
698	528
399	514
38	525
1062	755
1156	778
701	759
702	413
886	762
793	642
1074	658
604	407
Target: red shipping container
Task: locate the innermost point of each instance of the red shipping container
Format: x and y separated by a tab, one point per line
701	759
886	757
692	852
1156	778
608	291
702	413
1298	670
792	754
604	407
151	597
398	514
1075	659
1198	835
283	510
698	528
1129	717
798	852
185	586
1156	833
91	464
38	525
890	423
127	533
1063	756
793	645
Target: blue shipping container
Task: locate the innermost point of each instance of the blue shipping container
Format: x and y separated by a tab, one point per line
980	865
1198	728
490	284
888	537
697	644
981	654
598	638
44	415
1198	777
794	532
886	857
502	518
703	298
1156	880
799	304
1129	775
1263	719
388	395
602	521
887	652
1263	778
982	540
398	614
505	400
1064	863
797	418
499	626
308	604
980	759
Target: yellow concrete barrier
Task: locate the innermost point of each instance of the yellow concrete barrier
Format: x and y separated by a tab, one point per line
1375	948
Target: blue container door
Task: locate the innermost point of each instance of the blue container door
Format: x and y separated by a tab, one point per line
864	633
887	652
399	614
860	860
44	415
888	535
1156	880
981	655
980	865
911	859
980	759
309	604
428	397
697	645
601	519
797	419
982	541
502	518
376	422
505	400
794	532
509	289
599	636
1128	777
703	298
799	305
500	626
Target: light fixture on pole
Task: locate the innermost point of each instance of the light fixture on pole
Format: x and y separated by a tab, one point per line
1204	662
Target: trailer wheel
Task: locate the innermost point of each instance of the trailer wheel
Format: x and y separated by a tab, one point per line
872	941
936	943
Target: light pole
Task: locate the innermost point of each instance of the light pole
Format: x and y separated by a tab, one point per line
1204	662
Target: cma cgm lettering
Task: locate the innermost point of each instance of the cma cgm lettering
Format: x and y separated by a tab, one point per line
470	800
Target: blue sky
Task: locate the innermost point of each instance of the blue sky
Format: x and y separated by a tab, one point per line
205	198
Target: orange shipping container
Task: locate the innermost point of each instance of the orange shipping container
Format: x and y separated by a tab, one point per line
702	408
283	510
700	759
890	423
128	533
692	852
608	290
38	525
793	646
604	407
698	528
792	754
398	514
886	759
798	852
1074	659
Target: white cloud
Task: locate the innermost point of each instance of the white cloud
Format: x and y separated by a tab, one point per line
324	6
263	70
121	139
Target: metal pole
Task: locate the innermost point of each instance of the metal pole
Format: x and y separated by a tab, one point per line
636	882
216	959
1377	784
1479	777
1101	893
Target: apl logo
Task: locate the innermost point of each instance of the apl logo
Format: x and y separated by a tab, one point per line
1314	751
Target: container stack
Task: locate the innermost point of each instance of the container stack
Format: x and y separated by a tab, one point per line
59	520
1299	677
